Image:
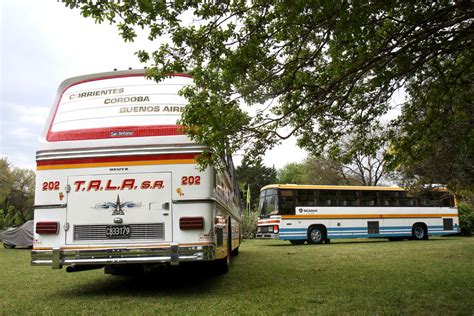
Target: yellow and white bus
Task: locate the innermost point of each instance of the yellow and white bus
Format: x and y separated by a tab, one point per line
315	213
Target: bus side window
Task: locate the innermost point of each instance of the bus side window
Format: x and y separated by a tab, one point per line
426	202
368	198
388	198
287	205
305	198
327	198
406	200
447	200
441	199
348	198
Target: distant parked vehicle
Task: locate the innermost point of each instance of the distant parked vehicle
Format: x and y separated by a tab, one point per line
316	213
21	236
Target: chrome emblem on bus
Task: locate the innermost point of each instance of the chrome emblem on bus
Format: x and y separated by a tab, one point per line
117	207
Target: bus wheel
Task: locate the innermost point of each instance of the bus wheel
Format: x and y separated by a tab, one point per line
297	242
235	252
419	232
316	235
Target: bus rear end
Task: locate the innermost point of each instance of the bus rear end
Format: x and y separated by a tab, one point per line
117	182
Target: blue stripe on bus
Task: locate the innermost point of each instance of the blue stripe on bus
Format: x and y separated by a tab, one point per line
304	237
361	232
338	229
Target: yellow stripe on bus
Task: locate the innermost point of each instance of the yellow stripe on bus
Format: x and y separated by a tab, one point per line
117	164
368	216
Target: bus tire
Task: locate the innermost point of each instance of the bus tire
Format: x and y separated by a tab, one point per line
297	242
316	234
235	252
419	232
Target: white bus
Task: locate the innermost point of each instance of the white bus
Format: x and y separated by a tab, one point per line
315	213
117	184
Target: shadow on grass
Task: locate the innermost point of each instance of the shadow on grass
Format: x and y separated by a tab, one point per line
191	279
23	249
363	241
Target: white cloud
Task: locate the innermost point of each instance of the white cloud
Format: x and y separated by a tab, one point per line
28	114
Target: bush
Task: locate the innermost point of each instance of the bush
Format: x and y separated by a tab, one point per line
249	225
2	219
466	219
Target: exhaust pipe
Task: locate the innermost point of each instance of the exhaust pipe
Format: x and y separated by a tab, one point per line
80	268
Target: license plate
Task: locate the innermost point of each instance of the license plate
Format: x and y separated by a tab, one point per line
119	231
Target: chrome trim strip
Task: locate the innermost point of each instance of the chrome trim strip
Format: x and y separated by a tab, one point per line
48	206
117	151
57	258
266	236
195	200
235	213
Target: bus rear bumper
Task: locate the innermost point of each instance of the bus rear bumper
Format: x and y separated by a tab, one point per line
267	236
172	254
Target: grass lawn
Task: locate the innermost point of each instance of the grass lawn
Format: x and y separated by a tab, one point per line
268	277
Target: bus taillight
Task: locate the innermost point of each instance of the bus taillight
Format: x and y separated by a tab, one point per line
187	223
275	229
47	228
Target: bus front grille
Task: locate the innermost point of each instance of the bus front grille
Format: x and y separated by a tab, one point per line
137	231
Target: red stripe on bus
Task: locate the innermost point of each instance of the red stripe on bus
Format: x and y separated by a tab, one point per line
115	132
115	159
272	221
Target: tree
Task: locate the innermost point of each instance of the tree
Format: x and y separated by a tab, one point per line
17	194
322	69
254	174
326	171
293	173
5	180
323	170
365	163
433	139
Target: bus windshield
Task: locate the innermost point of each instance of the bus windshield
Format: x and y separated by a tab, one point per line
268	203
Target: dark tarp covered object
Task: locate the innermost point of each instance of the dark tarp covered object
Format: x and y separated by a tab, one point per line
21	236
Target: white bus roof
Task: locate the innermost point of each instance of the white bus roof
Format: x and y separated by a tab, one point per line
339	187
331	187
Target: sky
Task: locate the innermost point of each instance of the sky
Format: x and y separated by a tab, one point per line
43	43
